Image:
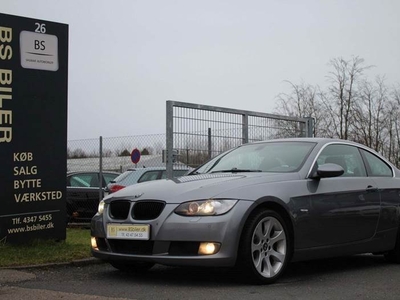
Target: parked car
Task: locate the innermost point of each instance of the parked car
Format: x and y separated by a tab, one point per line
257	208
137	175
83	194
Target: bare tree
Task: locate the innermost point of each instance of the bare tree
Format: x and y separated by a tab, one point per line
303	100
342	92
69	153
394	126
123	149
158	148
107	152
147	150
79	153
391	147
370	114
351	108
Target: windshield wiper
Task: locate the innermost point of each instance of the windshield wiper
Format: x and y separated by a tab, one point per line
195	173
235	170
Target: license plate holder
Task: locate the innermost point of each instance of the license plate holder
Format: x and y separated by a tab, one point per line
128	231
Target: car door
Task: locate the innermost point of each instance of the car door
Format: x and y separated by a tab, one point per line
389	186
82	196
342	209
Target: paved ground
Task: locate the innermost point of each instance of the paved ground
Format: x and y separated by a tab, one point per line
359	277
11	277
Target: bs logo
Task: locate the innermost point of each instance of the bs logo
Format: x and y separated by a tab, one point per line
39	45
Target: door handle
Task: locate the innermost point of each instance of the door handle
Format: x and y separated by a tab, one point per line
371	189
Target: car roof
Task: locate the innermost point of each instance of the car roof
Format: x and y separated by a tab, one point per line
85	172
318	140
146	168
153	169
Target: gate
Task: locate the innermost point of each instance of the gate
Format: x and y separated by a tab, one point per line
196	133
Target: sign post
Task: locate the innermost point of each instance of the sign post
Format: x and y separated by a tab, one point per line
33	129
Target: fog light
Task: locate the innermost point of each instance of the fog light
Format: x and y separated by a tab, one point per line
94	243
209	248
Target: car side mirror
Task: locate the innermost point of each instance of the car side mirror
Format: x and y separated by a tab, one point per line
327	171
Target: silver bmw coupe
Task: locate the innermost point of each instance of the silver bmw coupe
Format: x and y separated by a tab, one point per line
257	207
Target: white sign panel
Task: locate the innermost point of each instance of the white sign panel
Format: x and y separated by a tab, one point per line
39	51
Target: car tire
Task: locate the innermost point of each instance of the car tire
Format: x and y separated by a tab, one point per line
132	267
393	256
265	249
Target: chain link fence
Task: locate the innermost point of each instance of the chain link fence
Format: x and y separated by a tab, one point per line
195	133
104	158
83	155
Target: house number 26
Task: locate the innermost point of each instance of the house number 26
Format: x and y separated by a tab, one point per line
40	28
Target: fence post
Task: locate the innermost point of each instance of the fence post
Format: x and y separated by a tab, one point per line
209	143
245	128
303	132
169	138
101	168
310	127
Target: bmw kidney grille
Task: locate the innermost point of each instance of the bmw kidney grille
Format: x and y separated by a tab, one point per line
142	210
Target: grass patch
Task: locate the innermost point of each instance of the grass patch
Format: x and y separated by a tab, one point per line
76	246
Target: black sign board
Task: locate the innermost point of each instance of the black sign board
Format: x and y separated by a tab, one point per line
33	129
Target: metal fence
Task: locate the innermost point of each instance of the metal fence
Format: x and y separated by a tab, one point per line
196	133
84	155
96	158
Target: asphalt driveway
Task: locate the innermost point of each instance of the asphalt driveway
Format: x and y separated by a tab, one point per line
358	277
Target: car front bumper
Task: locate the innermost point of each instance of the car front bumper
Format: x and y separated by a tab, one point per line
175	239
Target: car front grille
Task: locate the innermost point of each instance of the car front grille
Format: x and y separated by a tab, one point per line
119	209
147	210
142	210
131	247
175	248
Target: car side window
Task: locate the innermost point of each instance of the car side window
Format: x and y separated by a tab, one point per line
109	177
148	176
94	182
81	180
175	173
346	156
178	173
377	167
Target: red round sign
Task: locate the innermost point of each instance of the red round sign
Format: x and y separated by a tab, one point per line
135	155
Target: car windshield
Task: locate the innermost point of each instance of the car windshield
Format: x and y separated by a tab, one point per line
280	157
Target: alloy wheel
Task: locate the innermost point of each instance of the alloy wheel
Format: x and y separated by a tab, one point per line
269	247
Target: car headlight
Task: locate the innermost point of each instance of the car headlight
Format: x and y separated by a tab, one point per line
100	209
210	207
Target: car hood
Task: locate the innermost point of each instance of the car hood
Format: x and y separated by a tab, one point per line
195	187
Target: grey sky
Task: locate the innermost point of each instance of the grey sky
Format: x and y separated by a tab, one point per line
126	58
